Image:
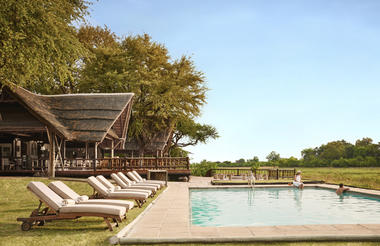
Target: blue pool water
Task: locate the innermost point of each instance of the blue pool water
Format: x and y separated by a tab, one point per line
280	206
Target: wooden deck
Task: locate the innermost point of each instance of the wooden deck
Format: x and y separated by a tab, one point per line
176	167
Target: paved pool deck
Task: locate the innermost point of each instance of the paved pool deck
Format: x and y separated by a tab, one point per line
167	220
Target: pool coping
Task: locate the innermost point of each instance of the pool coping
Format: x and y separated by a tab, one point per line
147	229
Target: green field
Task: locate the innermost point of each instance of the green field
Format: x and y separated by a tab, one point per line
17	201
358	177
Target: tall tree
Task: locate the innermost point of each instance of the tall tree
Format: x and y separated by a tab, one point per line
165	90
39	47
273	157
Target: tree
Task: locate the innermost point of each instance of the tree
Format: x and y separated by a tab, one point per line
273	157
166	91
187	132
363	142
334	150
39	47
309	154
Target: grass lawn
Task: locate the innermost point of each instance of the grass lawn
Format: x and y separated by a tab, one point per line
359	177
17	201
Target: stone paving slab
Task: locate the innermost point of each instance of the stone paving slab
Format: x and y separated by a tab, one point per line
168	220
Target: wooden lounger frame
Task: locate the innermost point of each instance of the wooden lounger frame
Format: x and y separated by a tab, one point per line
40	216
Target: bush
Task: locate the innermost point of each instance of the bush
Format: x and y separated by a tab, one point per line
201	169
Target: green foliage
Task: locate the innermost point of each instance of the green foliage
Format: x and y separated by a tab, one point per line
39	48
166	91
273	157
201	169
187	132
343	154
178	152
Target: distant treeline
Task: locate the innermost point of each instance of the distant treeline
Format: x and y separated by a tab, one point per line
364	153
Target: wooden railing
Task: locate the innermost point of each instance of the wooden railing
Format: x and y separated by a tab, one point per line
125	163
261	173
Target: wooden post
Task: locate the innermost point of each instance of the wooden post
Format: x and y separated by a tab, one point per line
51	167
64	151
95	155
86	151
277	173
112	148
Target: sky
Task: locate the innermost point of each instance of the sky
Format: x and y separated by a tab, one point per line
284	75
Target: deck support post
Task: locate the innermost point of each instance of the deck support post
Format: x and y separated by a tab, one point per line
51	167
112	148
95	155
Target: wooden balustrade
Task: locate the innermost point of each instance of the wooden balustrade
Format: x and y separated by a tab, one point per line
126	163
261	173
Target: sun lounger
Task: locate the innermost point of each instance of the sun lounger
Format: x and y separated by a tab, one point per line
136	177
130	185
65	192
59	208
100	191
109	185
125	179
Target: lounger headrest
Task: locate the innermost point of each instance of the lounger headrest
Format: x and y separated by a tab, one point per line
137	175
105	181
97	185
119	181
46	195
133	177
125	178
63	190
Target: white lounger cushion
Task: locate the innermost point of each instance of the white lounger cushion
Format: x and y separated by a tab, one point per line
149	181
125	186
121	203
128	195
45	194
139	180
100	188
54	201
65	192
113	188
126	179
93	208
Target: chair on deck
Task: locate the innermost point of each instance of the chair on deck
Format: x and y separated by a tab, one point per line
109	185
59	208
125	179
136	177
65	192
130	185
100	191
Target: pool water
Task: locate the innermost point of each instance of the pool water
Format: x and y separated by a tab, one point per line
280	206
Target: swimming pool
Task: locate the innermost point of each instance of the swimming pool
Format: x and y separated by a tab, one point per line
280	206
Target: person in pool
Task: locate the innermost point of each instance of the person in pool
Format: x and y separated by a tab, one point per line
297	180
341	189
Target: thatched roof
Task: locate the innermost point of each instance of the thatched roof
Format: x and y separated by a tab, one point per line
79	117
157	144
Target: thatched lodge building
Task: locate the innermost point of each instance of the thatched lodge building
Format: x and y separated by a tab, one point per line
68	135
